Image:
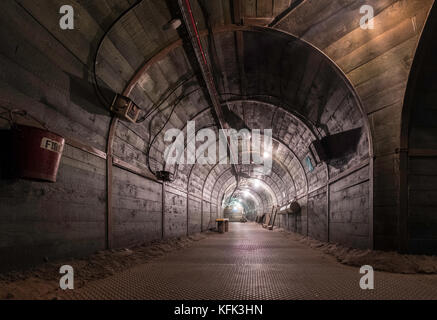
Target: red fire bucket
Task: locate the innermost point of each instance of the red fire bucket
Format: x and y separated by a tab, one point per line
36	153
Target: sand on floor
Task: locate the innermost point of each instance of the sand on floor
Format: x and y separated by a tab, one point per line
42	282
387	261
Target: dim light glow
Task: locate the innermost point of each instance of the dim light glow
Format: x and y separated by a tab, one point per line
237	207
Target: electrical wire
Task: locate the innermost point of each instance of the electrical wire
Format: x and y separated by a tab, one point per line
22	113
97	88
152	141
162	100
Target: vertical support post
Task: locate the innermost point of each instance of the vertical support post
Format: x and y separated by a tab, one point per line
240	56
109	161
371	196
307	214
201	215
328	206
108	224
163	212
210	216
295	223
188	199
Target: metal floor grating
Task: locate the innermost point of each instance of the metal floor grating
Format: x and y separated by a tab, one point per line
251	263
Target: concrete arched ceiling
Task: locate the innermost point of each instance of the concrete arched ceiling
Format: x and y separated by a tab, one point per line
266	79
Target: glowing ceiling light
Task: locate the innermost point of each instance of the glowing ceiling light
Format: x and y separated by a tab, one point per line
267	155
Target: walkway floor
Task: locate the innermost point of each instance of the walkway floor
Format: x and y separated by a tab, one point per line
250	262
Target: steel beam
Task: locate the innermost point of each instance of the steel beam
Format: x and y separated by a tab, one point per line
201	57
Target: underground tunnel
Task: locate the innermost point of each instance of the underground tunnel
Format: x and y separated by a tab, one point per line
218	150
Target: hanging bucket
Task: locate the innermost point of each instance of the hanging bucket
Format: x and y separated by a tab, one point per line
36	153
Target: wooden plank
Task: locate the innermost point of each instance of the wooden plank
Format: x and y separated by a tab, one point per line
127	166
390	78
23	90
339	17
306	15
388	97
426	153
312	67
78	41
400	55
227	17
17	21
422	182
424	137
422	198
239	41
217	12
249	21
81	41
383	43
264	8
280	5
237	12
249	8
86	148
350	171
385	19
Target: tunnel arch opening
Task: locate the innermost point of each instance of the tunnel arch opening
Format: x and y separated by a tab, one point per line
267	79
107	192
416	224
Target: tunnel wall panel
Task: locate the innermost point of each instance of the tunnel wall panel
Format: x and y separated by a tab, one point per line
349	210
386	197
194	215
46	79
175	213
422	205
289	223
282	221
419	128
317	220
301	220
214	213
207	216
41	221
137	209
